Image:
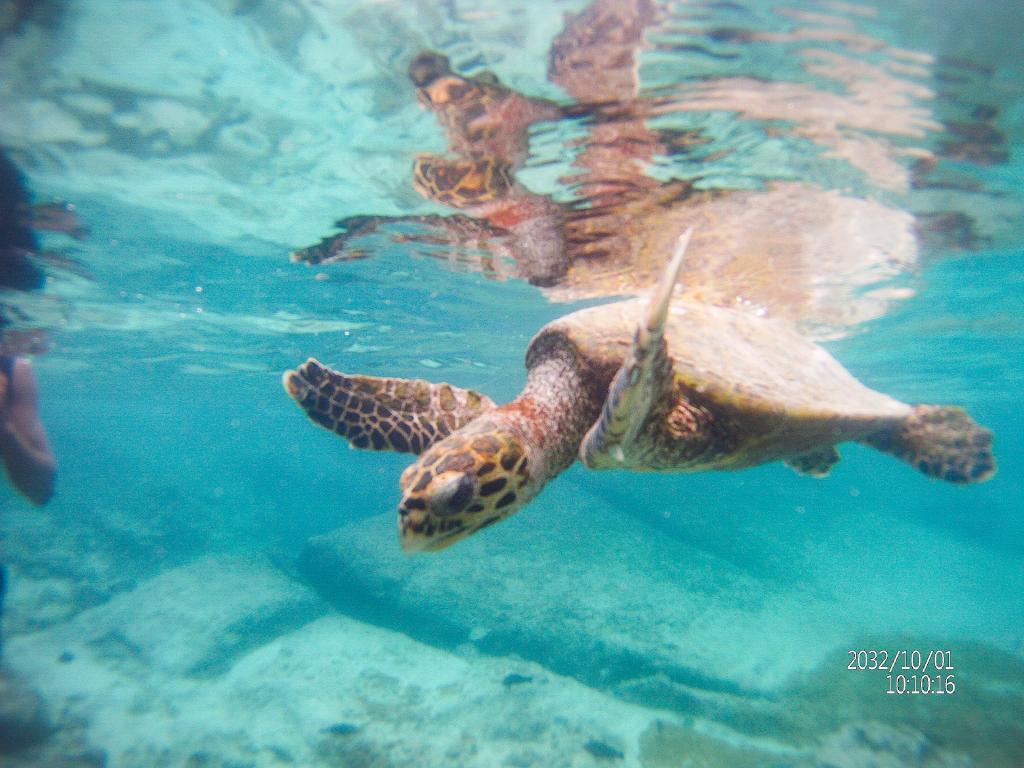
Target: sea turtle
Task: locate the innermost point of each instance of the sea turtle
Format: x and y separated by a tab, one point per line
665	386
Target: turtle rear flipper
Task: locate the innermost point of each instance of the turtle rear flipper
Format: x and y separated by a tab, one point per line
639	383
381	414
816	463
942	442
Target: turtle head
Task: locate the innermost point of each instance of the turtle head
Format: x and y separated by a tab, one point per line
462	182
427	67
438	87
460	485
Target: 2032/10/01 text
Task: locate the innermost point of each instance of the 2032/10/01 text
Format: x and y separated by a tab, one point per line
897	663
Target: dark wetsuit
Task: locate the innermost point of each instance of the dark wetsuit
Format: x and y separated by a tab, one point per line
17	240
6	370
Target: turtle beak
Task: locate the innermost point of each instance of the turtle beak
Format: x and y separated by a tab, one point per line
410	526
414	539
412	543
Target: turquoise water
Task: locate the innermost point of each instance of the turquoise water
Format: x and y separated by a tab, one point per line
219	583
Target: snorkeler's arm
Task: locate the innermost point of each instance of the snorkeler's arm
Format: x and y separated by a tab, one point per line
26	451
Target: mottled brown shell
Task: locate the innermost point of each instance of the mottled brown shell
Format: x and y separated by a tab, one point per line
757	386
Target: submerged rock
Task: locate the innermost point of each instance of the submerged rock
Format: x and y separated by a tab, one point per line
670	745
333	691
24	720
877	745
198	619
684	628
29	738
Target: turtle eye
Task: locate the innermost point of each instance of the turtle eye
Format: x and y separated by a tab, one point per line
453	494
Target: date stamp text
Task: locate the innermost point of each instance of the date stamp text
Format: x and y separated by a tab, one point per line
909	672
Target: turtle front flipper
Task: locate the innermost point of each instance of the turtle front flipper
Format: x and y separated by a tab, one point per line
380	414
640	382
452	232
